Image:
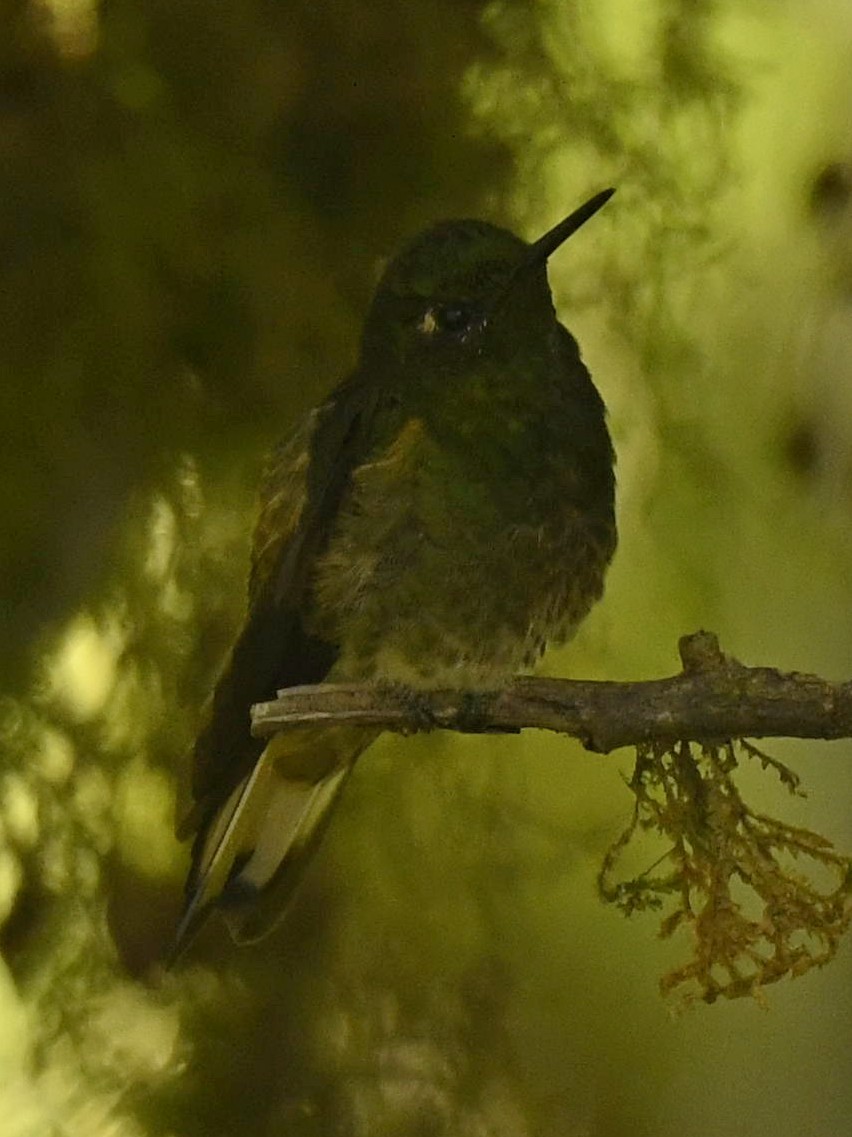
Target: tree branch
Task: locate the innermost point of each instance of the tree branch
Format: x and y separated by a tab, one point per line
730	877
715	697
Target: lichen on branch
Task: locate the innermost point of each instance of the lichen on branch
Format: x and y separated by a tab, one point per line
744	886
761	899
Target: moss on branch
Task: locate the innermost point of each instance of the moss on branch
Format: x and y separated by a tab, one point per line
759	899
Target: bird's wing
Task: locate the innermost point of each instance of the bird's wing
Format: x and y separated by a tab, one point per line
254	808
305	479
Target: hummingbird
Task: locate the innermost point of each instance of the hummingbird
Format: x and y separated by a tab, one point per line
440	519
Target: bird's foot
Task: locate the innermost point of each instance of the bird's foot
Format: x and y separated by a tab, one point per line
414	705
473	716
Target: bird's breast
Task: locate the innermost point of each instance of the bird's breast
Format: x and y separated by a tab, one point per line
453	560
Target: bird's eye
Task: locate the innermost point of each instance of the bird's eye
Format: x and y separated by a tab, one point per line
452	319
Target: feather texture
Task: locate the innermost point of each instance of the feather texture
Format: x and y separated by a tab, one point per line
445	514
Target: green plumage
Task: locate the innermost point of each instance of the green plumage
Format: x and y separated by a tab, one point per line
446	514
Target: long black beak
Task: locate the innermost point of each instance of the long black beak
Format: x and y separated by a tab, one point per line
541	249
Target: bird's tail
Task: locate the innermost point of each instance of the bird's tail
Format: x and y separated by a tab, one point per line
249	856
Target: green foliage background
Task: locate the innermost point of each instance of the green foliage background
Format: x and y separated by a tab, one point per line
194	202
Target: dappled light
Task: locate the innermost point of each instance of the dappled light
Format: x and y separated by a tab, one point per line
196	202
